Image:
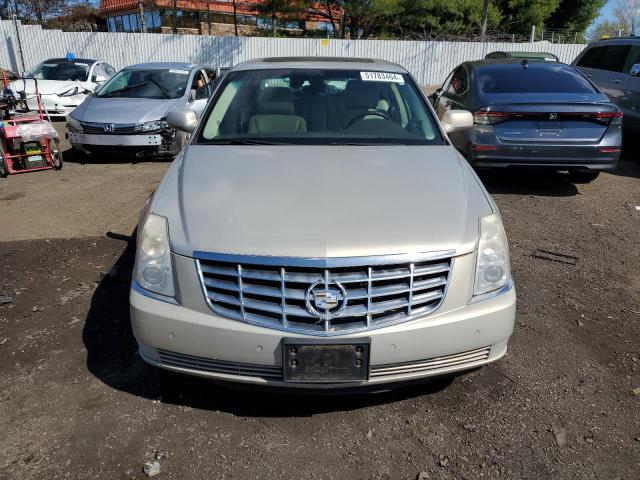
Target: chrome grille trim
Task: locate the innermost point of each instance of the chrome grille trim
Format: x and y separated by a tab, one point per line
181	360
436	363
118	128
271	291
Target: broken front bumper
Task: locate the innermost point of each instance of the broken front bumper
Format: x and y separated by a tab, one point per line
115	140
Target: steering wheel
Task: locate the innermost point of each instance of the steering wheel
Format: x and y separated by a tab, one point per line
378	113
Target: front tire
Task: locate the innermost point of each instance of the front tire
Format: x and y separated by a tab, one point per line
581	176
56	155
4	171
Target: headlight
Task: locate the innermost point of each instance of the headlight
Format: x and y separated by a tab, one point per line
492	267
153	265
155	125
74	124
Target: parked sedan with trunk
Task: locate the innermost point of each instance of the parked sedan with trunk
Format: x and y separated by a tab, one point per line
320	231
533	113
127	115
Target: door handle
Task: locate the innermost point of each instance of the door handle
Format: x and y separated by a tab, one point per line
617	80
588	75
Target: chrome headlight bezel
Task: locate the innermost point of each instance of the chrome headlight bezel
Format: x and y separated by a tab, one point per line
493	270
154	270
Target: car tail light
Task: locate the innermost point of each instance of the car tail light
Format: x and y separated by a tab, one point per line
489	117
610	150
486	117
484	148
610	118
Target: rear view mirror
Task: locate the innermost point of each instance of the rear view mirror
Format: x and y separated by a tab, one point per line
635	70
456	121
183	119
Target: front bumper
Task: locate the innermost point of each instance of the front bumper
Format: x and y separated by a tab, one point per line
194	340
87	139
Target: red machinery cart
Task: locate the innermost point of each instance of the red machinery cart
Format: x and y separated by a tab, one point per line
27	143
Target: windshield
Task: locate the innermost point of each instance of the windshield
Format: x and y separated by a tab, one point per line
319	107
533	79
165	83
61	70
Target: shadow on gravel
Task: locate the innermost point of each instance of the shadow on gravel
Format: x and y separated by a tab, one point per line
112	358
523	181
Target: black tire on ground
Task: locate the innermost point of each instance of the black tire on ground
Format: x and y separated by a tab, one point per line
3	166
56	154
581	176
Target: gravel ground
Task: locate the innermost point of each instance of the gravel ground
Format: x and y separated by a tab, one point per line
76	401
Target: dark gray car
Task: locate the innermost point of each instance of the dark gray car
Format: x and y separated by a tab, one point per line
533	113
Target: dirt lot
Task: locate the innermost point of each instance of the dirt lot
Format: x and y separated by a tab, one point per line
76	401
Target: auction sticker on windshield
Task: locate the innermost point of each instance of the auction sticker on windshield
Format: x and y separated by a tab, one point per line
381	77
181	72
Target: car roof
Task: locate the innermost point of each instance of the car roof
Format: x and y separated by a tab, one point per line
335	63
161	66
507	63
616	40
65	60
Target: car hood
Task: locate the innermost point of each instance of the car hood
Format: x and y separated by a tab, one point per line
123	110
48	87
312	201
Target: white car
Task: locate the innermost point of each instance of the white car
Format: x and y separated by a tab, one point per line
63	84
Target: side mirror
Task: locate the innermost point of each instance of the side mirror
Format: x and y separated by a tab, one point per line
183	119
635	70
456	121
98	79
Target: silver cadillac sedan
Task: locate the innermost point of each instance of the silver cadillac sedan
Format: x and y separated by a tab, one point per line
320	231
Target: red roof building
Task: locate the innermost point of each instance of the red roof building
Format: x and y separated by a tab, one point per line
204	16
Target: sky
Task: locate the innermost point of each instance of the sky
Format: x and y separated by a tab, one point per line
607	11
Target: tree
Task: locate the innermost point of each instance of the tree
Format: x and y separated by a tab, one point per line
281	11
627	12
608	29
519	15
575	14
360	18
40	10
445	18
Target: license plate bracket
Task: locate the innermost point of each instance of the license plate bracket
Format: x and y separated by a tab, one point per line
322	361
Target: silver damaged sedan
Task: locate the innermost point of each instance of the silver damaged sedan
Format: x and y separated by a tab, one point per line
320	231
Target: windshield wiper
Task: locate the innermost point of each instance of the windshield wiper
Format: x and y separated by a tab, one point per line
245	141
160	87
124	89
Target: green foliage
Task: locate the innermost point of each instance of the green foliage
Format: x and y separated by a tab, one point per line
607	29
575	14
519	15
445	17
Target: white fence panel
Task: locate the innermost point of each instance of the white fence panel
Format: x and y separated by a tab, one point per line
429	62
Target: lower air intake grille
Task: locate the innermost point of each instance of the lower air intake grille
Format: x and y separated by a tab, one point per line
324	296
436	363
172	359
